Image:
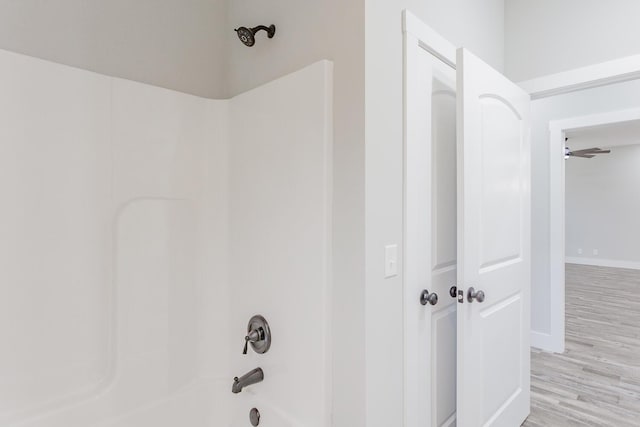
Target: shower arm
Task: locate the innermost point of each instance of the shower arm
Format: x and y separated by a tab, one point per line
261	27
271	30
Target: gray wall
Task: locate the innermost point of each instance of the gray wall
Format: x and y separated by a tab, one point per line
603	206
176	44
549	36
593	101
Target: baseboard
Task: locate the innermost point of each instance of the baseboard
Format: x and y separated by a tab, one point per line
604	262
546	342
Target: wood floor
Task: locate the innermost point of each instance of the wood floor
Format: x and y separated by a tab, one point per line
596	382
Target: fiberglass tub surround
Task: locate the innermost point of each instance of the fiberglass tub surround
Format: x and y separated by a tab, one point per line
142	228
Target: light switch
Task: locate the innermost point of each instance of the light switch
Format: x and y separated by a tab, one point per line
390	261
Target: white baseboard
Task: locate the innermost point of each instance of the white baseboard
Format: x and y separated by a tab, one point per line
540	340
604	262
546	342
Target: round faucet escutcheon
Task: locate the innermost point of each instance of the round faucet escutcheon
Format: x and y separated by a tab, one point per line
258	335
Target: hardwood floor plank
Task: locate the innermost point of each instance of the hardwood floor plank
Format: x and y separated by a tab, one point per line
596	381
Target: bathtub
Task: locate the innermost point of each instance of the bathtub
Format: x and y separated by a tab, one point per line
204	403
201	404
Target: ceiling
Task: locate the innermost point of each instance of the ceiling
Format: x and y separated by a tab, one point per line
627	133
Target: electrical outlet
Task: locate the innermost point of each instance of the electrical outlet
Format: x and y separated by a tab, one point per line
595	252
579	251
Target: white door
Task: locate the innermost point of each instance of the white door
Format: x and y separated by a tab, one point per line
430	251
494	255
442	266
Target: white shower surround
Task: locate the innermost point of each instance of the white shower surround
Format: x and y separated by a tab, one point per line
141	228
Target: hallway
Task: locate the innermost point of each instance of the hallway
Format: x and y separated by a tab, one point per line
596	382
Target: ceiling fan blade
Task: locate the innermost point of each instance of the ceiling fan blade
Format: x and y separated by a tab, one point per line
588	151
583	155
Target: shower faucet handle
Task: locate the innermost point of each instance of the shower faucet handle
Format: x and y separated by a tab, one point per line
253	336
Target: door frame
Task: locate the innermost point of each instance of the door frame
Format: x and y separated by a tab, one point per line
601	74
555	340
418	38
592	76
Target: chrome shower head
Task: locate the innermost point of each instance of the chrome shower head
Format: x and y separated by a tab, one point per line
248	35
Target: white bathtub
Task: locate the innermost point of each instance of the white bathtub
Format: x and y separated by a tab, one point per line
201	404
206	405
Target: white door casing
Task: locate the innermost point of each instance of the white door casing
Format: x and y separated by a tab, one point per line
494	250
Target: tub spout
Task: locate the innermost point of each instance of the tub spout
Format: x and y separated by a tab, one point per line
251	377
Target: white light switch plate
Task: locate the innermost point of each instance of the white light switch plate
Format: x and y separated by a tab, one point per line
390	261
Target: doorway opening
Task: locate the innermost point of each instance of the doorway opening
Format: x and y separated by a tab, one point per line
559	131
590	382
467	237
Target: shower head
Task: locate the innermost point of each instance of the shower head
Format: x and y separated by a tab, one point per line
248	35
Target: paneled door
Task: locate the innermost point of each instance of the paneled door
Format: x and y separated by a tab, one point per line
443	264
430	251
494	256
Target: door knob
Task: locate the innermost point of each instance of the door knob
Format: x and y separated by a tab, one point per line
473	294
427	298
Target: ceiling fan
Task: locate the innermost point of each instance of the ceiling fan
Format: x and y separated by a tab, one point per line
587	153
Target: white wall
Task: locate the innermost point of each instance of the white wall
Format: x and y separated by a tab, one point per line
176	44
335	30
190	46
548	36
603	207
280	242
101	286
476	25
54	220
309	31
125	211
609	98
